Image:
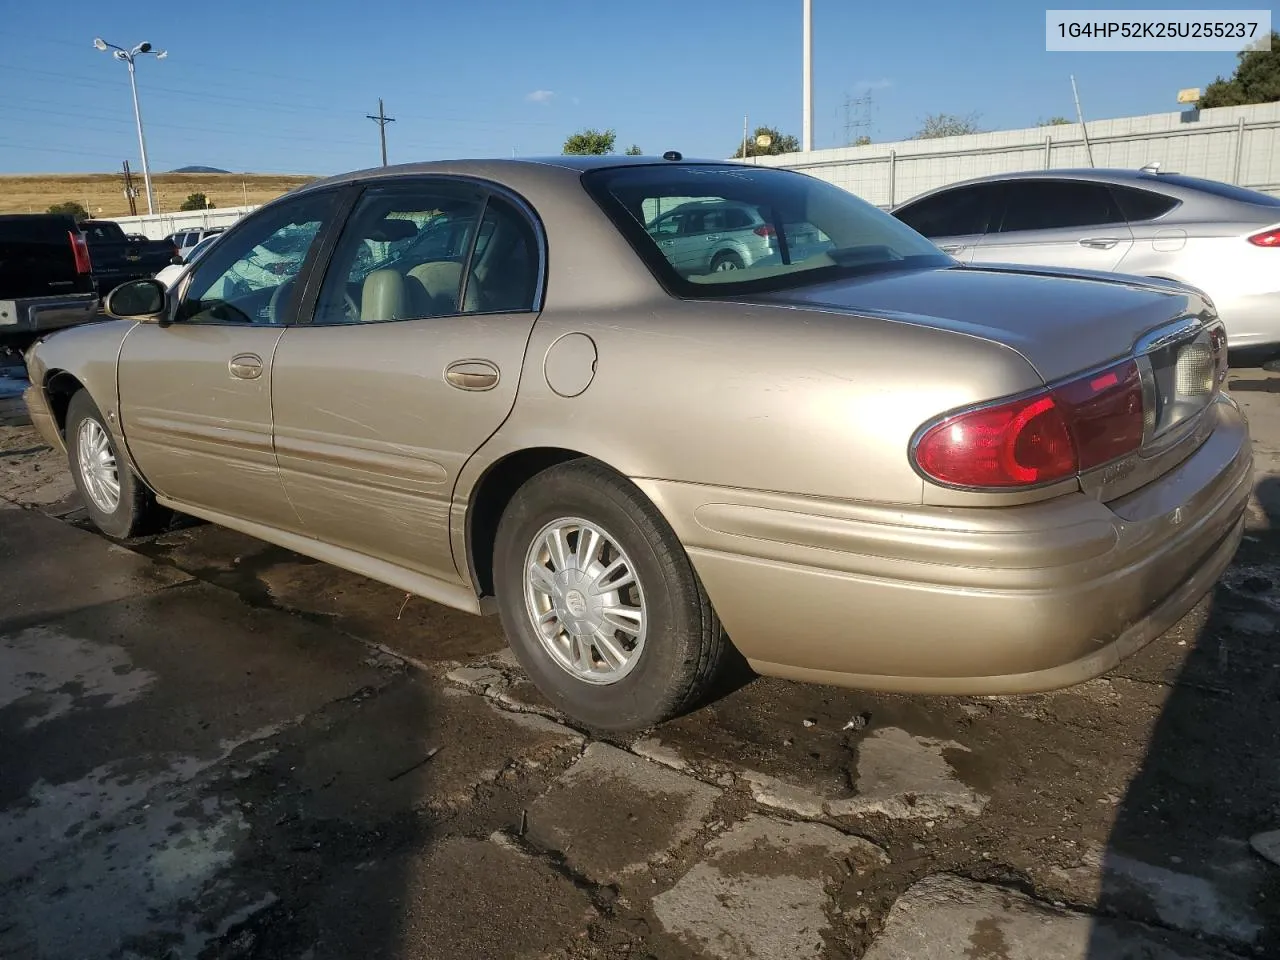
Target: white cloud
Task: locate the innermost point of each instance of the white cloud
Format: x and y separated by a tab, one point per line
881	84
540	96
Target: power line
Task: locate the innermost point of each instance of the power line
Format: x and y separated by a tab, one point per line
382	120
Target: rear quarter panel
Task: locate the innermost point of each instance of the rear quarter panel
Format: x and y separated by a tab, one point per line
756	397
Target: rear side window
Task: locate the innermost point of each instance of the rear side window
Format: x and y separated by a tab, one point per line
1139	205
1058	205
35	230
952	213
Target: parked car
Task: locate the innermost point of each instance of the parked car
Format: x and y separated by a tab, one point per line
186	240
711	235
180	262
873	467
46	281
1222	239
117	259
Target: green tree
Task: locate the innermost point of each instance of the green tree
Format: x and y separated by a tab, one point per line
71	208
196	201
634	151
1256	80
779	143
862	141
591	143
947	125
1053	122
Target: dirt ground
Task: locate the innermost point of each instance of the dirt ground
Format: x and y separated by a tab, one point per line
216	748
102	194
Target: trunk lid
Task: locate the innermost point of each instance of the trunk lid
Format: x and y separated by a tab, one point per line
1061	321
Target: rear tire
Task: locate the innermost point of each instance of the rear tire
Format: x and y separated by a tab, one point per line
613	626
118	502
726	260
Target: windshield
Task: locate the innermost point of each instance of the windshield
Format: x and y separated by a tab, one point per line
713	230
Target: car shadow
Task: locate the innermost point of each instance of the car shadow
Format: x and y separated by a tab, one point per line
1178	855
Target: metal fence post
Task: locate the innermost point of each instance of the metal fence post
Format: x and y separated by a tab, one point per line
893	156
1048	153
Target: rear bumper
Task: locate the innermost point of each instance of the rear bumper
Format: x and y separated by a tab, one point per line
964	601
42	314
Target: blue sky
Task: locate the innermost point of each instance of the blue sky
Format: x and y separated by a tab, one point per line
284	86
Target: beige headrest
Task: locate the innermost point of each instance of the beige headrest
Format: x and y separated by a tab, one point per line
383	297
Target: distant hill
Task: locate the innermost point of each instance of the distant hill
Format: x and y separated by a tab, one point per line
102	194
198	169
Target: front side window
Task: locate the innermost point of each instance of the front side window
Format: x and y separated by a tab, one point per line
808	231
952	213
250	275
1058	205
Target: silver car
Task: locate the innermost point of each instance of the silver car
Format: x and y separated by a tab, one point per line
1219	238
705	236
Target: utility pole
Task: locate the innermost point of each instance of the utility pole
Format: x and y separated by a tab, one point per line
382	120
744	137
130	192
807	144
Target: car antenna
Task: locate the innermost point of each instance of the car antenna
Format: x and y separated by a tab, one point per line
673	155
1152	167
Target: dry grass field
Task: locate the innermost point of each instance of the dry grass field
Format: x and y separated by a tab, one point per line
102	194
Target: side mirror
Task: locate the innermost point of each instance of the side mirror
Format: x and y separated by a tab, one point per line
176	260
146	300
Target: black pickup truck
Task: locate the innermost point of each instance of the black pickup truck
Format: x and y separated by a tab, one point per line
46	278
117	259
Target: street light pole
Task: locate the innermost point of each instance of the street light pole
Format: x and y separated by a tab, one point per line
128	56
807	145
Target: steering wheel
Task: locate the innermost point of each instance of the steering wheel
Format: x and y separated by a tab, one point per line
281	294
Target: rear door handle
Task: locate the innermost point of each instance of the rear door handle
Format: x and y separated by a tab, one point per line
951	247
245	366
472	374
1100	243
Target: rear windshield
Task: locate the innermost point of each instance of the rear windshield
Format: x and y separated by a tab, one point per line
1226	190
715	230
35	229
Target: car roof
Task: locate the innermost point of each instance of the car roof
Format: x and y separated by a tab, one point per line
521	167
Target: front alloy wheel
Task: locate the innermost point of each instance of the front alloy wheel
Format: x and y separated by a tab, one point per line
97	461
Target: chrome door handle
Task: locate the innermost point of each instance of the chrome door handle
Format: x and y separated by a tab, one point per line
951	247
245	366
1100	243
472	374
714	236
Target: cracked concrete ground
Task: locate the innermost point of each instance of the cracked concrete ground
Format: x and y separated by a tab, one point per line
212	748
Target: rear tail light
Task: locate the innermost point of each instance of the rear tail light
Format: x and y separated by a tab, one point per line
80	250
765	230
1050	435
1268	238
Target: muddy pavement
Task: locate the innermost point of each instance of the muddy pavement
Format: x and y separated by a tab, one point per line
213	748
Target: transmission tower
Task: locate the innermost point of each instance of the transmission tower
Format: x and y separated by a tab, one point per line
857	116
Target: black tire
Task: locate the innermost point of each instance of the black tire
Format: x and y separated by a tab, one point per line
726	260
136	512
684	647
